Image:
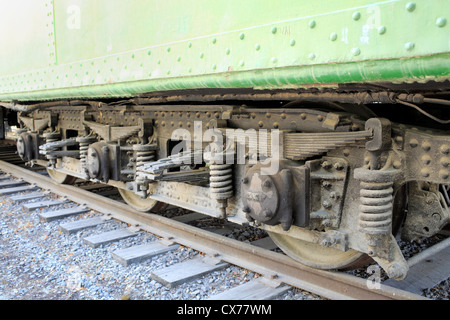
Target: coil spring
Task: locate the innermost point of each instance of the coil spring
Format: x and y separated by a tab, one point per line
144	154
84	143
221	181
376	207
49	138
84	146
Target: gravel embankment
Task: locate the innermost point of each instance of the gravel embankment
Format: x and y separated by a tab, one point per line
39	262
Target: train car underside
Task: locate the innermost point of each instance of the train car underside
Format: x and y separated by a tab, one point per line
324	174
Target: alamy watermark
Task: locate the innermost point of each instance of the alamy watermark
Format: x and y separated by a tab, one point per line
373	282
73	21
229	146
74	279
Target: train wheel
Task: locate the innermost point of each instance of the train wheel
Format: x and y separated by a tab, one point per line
139	204
61	178
317	256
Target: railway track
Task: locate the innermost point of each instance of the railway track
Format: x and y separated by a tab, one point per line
277	273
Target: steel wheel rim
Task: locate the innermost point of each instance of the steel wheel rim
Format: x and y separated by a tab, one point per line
139	204
315	255
61	178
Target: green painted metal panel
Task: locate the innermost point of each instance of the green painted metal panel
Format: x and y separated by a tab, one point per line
26	38
121	48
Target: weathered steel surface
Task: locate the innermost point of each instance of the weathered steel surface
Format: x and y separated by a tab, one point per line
64	49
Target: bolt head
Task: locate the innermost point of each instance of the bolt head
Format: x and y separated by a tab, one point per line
410	6
441	22
267	184
326	204
326	164
267	214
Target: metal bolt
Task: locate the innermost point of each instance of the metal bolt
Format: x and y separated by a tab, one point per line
326	242
426	159
443	174
267	214
326	204
338	166
409	46
413	143
410	6
425	173
326	184
326	165
356	51
441	22
334	195
382	30
426	145
395	271
356	16
245	180
267	184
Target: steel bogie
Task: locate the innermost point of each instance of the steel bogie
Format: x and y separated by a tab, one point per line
328	187
318	122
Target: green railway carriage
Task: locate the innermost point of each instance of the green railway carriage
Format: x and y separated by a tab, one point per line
96	49
322	122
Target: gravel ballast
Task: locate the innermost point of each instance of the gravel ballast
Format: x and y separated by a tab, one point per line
40	262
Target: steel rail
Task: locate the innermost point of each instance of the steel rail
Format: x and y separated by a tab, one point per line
274	266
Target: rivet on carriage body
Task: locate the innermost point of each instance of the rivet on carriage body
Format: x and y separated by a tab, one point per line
441	22
410	6
356	15
382	30
409	46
